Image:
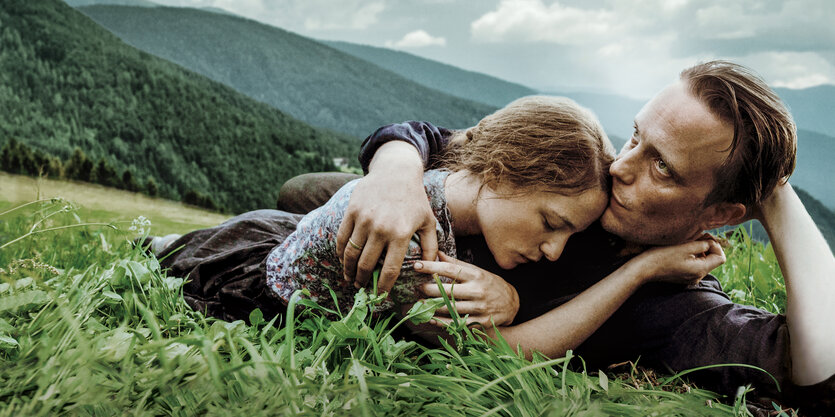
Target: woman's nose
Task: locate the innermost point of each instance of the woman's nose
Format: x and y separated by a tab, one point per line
553	247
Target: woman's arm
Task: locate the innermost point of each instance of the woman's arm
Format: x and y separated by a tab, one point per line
568	325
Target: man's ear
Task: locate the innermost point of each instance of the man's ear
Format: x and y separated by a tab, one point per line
724	214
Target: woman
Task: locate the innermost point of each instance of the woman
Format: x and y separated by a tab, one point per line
525	178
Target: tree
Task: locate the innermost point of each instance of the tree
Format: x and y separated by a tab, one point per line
106	175
78	167
128	181
151	187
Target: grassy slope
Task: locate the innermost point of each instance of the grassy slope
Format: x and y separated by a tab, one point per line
102	204
107	332
308	80
66	82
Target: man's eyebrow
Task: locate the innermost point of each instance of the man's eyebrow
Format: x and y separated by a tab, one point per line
670	166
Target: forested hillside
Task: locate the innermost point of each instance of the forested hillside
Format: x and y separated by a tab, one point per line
305	78
433	74
66	84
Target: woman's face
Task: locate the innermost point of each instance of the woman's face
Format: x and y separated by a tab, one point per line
526	227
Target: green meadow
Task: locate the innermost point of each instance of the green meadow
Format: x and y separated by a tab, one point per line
90	326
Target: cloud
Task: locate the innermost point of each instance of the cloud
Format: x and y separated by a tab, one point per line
792	69
635	43
417	39
533	21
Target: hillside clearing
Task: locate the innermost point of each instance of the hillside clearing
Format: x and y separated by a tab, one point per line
103	204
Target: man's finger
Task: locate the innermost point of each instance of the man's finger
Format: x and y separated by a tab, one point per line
428	242
395	254
351	256
371	253
346	229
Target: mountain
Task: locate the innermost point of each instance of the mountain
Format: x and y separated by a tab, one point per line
813	108
823	217
67	83
471	85
615	112
815	171
305	78
137	3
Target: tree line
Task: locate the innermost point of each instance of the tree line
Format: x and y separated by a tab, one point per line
18	158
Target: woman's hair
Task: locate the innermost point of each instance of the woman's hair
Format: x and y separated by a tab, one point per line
535	143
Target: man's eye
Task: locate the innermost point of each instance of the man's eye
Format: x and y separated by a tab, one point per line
662	168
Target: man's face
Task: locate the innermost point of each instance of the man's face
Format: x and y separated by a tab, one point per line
663	174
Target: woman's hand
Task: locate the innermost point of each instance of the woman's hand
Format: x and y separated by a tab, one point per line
482	295
686	263
387	207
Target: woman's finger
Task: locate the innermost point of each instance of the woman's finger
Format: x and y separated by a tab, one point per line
462	307
455	272
460	291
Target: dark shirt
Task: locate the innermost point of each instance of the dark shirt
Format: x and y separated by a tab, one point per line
671	327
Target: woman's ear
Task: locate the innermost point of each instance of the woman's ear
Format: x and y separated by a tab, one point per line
724	214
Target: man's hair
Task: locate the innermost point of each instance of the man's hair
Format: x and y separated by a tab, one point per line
536	143
764	146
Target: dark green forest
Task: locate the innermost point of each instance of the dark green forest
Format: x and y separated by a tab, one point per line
300	76
71	92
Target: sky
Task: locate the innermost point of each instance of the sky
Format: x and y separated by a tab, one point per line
627	47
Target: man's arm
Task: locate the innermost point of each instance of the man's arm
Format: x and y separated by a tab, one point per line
389	205
809	270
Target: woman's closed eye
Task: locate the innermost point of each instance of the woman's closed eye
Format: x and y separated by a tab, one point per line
547	224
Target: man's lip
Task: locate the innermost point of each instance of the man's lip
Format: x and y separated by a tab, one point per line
617	201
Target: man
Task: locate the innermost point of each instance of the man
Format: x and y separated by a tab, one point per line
713	149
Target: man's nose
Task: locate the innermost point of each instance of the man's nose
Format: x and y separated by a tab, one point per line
622	168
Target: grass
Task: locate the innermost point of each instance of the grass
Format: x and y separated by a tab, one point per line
103	204
90	326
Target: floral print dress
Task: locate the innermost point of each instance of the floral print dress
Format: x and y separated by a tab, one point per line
307	258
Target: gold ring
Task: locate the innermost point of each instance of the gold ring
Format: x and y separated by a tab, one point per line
354	244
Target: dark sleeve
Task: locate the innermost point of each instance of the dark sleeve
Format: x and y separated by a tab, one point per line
681	329
429	140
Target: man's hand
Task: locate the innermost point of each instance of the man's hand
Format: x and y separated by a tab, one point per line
387	208
482	295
